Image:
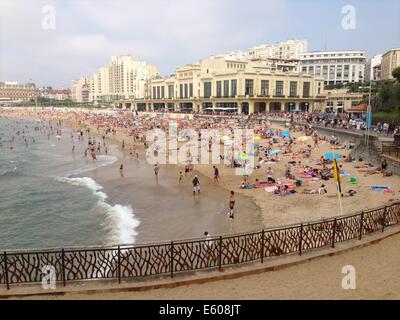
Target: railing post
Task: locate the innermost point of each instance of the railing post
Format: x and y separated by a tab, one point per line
361	225
6	270
172	259
220	254
63	266
384	219
262	245
119	264
334	232
301	239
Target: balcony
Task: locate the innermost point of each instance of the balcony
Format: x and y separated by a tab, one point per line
279	96
294	96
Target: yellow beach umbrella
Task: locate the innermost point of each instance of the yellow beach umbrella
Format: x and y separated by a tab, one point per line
225	138
304	138
256	138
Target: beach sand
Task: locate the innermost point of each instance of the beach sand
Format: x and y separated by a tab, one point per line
377	268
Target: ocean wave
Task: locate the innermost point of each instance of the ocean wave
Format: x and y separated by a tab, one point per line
8	171
102	161
120	222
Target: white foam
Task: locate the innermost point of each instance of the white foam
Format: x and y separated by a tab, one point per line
102	161
120	222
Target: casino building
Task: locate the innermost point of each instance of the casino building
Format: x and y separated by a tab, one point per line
226	84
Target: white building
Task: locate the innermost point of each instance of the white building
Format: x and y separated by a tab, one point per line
80	89
335	66
370	66
290	49
124	78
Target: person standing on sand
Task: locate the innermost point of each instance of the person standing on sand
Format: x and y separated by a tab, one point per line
216	174
384	167
156	170
121	170
180	176
196	185
123	144
231	205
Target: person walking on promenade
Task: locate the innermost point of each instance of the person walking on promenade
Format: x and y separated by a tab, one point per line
196	185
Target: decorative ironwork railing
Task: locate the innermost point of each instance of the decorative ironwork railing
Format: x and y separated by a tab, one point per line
168	258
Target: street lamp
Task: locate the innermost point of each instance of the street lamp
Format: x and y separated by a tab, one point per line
369	114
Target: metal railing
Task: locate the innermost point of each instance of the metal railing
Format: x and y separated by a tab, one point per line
393	151
168	258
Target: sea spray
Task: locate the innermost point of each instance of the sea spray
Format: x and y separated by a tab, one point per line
120	222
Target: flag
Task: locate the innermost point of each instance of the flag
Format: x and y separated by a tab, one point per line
336	175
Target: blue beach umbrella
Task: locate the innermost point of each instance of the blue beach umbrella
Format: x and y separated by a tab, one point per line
269	131
331	155
276	151
285	134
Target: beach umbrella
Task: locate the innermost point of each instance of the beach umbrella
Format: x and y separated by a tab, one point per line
269	131
276	137
228	142
223	138
285	134
276	151
244	156
304	138
256	138
331	155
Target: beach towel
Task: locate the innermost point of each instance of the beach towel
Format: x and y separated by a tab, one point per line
352	181
379	188
344	174
271	189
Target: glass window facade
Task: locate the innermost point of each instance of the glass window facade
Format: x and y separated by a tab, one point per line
181	91
293	89
233	88
186	90
264	87
219	89
279	88
190	89
306	89
226	88
171	91
248	87
207	89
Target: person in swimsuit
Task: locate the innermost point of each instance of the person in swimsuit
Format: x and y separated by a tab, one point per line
231	205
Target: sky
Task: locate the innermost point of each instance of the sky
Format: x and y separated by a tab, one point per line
75	38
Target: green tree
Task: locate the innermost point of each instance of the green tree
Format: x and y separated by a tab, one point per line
396	73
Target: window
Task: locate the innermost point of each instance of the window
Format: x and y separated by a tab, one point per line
154	92
264	87
233	87
162	92
293	88
190	89
207	89
279	88
158	92
248	88
226	88
219	89
181	91
186	90
171	91
306	89
304	69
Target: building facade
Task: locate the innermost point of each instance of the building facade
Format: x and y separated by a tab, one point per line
13	91
335	66
290	49
56	94
229	85
80	90
340	100
372	68
390	61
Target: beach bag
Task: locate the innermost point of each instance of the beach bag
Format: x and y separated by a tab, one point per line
352	181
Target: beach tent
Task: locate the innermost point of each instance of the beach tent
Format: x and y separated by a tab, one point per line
331	155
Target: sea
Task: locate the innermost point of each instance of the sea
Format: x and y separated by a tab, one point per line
42	201
53	197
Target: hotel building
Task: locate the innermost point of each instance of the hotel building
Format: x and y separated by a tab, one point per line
12	91
390	61
231	85
335	66
372	68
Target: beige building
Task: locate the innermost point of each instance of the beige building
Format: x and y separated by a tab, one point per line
229	85
12	91
390	61
340	100
80	91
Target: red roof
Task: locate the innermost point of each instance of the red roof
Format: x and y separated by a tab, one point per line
361	107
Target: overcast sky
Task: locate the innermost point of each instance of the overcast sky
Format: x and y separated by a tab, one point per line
169	33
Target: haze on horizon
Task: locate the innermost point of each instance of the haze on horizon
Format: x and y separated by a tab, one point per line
175	32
